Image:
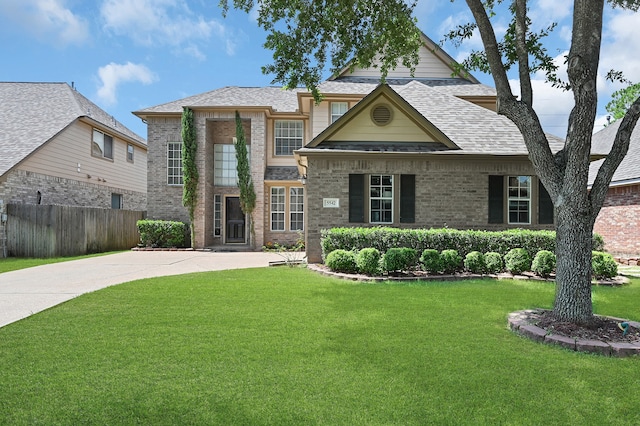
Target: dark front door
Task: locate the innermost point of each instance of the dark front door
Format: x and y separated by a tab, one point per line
235	223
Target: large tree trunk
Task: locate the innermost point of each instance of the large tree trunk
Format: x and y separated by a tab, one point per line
573	269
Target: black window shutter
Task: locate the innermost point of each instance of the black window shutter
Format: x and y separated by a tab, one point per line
496	199
545	206
356	198
407	198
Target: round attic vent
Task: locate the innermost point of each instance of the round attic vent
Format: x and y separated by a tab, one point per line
381	114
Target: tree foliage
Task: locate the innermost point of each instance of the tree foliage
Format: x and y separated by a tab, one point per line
621	101
189	166
247	192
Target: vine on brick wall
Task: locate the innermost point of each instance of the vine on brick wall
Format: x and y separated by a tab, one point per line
189	167
247	192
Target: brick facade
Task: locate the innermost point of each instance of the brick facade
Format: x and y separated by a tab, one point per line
619	220
451	192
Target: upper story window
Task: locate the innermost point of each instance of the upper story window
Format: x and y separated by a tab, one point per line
130	150
288	136
519	193
102	145
338	109
174	163
225	170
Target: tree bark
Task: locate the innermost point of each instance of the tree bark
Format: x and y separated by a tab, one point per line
573	267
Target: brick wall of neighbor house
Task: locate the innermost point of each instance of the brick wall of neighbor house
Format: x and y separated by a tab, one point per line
164	202
619	220
451	192
22	188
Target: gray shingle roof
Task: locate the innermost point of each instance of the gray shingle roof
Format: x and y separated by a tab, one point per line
32	113
364	85
281	173
279	99
629	169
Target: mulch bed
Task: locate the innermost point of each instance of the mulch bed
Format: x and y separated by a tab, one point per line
603	328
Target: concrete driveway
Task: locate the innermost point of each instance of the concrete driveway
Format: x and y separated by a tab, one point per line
27	291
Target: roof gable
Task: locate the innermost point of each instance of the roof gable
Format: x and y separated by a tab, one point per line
33	113
434	63
363	126
629	168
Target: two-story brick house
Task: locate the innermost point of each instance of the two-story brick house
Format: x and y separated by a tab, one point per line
426	150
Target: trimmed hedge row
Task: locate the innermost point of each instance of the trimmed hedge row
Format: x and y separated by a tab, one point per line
369	261
464	242
161	233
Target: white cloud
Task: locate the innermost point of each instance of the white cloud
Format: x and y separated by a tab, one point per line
544	12
48	20
113	74
162	22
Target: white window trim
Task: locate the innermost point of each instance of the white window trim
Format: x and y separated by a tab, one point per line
102	149
283	211
333	117
291	211
527	199
370	198
275	136
180	176
133	151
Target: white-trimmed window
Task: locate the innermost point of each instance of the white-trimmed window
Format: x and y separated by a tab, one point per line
381	198
102	145
217	215
277	208
288	136
519	199
225	164
338	109
296	209
130	151
174	163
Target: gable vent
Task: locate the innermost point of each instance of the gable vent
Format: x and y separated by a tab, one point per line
381	115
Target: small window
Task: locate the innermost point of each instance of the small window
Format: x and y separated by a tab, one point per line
296	209
277	208
116	201
338	109
519	193
130	153
174	163
288	136
102	145
217	215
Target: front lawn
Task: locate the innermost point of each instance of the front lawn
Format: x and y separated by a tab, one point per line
14	263
279	346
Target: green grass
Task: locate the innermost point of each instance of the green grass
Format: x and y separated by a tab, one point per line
280	346
14	263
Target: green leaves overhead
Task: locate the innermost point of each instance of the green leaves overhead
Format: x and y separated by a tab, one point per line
308	36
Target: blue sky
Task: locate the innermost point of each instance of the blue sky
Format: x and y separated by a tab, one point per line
126	55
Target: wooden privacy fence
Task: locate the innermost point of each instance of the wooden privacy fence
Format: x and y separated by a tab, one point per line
49	231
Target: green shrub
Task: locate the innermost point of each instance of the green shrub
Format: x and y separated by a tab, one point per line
368	261
544	263
451	261
399	259
474	262
493	262
342	261
517	261
161	233
603	265
431	261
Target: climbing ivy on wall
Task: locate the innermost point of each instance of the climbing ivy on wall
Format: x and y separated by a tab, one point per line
189	166
247	192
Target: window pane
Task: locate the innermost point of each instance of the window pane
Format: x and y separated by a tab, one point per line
174	163
277	209
288	136
225	164
381	198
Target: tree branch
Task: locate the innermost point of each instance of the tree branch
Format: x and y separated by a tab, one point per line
615	157
526	92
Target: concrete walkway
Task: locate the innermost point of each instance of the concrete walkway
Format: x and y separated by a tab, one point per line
27	291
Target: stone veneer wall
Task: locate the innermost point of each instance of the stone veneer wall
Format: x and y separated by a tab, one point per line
619	220
450	192
21	187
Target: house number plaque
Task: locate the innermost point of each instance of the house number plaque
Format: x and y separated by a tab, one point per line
331	203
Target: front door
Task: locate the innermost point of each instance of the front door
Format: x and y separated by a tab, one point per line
235	221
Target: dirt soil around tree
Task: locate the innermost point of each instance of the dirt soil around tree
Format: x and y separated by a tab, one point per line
604	329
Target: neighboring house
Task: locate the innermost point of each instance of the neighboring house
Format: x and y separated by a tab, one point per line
619	219
421	151
59	148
